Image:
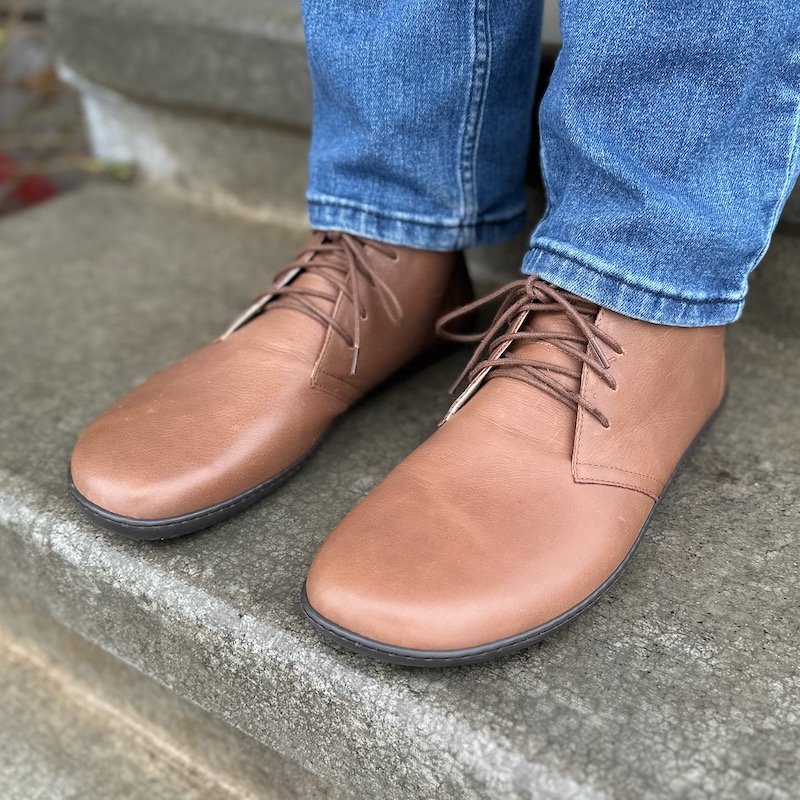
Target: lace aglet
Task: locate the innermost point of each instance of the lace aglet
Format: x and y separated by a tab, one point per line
354	362
599	352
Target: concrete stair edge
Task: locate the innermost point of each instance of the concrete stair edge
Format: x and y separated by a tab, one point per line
199	159
91	562
168	728
215	617
49	723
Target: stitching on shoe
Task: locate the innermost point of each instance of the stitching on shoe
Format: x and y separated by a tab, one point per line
621	469
577	463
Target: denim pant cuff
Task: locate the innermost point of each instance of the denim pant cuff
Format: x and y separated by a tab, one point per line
408	230
576	273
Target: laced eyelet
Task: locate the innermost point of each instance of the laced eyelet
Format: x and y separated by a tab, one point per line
496	345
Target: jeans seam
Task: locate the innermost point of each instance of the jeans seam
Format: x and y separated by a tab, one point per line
544	165
473	119
586	264
785	189
322	200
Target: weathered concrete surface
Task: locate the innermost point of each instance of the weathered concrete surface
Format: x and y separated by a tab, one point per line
252	171
56	743
682	683
239	57
148	718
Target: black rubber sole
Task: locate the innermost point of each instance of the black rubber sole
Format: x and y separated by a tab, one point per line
409	657
154	530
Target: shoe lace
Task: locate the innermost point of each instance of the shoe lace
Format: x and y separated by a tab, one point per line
339	259
494	358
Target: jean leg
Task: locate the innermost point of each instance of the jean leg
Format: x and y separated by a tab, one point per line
422	117
670	144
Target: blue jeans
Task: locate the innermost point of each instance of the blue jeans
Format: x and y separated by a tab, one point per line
669	138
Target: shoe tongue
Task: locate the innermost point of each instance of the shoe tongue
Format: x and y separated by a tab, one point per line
315	280
542	350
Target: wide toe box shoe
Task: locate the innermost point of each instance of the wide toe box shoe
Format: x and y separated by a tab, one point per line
224	426
531	497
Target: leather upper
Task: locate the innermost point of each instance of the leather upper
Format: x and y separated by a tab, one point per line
675	372
251	404
521	505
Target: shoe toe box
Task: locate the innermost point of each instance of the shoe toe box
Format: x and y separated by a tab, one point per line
441	559
210	427
127	465
415	574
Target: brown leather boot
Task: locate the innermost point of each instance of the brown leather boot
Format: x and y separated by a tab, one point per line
530	499
221	428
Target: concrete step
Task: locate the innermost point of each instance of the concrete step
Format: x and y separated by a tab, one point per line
211	101
683	682
242	57
76	722
49	732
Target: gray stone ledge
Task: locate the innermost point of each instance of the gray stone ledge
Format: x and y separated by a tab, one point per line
242	57
155	731
681	683
253	171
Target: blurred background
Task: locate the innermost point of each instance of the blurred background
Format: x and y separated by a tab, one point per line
48	72
42	140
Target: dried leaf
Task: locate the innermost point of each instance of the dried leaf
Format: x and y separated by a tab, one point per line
113	170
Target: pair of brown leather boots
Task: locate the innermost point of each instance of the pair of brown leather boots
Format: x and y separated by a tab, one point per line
517	513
